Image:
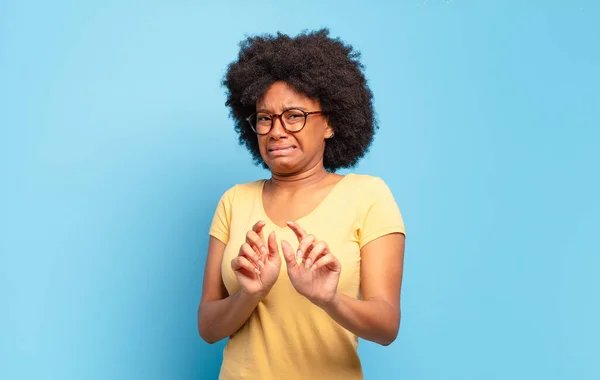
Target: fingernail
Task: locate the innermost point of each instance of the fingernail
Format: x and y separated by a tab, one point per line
299	254
256	270
307	265
263	249
261	264
313	267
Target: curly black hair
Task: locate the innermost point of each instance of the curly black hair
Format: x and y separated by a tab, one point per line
323	68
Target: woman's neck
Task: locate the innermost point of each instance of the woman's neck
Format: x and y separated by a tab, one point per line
294	181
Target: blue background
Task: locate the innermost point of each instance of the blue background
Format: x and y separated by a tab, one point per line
115	146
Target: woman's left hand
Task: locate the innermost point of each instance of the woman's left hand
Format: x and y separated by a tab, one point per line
313	270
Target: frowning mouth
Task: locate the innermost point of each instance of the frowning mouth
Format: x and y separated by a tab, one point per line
283	148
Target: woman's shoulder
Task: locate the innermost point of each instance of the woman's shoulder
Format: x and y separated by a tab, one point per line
364	181
240	190
365	188
249	186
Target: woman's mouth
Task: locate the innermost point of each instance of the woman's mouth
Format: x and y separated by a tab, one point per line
281	150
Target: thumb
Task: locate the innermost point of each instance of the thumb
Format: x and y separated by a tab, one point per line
273	249
288	253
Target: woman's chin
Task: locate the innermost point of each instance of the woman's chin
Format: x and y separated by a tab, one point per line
283	165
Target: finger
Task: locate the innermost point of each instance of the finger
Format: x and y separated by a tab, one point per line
273	248
329	261
257	227
247	251
243	265
305	246
318	250
256	242
288	253
257	252
299	231
240	262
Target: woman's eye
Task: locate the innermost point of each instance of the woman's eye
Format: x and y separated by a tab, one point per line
294	116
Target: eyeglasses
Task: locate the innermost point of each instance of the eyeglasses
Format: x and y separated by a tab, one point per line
293	120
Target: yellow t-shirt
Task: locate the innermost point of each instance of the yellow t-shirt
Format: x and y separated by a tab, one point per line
287	337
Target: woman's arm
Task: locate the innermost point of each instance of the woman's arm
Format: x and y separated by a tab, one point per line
377	316
221	315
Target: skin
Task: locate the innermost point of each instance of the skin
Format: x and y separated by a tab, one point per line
298	184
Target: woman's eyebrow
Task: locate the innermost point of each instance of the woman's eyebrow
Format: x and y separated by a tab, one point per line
284	109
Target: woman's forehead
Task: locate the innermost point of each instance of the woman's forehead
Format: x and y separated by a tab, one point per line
280	95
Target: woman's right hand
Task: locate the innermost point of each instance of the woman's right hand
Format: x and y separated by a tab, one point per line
257	264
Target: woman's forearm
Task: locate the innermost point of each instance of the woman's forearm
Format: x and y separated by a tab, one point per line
222	318
375	319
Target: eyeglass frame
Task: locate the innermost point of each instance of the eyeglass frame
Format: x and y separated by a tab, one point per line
274	116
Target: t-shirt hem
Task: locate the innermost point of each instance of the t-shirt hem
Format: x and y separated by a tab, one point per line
381	232
219	236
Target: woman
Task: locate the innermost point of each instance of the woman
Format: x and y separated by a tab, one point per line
302	264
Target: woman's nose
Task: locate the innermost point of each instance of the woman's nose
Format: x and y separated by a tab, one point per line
277	128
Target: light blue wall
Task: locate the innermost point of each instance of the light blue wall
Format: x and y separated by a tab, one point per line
115	146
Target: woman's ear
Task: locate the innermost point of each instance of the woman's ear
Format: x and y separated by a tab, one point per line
329	132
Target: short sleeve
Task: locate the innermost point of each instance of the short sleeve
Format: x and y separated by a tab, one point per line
221	222
381	213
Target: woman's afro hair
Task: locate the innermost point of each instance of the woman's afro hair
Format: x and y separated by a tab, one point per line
321	67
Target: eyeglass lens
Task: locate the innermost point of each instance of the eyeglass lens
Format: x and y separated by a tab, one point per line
293	120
